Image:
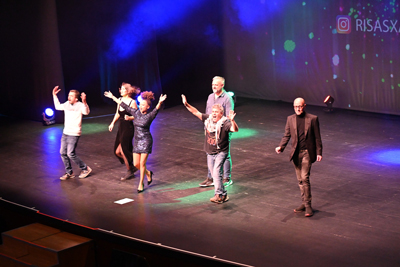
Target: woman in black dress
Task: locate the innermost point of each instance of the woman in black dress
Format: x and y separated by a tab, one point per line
123	142
143	141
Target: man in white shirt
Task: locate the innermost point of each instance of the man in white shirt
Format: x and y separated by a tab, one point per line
73	111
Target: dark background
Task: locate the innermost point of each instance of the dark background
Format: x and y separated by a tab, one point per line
69	43
274	50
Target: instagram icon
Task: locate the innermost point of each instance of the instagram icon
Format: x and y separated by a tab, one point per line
343	24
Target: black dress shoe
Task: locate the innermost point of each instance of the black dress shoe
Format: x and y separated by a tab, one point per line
141	190
151	177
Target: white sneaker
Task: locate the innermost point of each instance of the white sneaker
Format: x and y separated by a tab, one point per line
85	173
67	176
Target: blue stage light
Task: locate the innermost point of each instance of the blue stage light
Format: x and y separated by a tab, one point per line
387	157
139	99
49	112
48	117
144	20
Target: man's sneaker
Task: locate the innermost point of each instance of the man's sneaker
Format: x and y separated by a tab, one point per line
219	199
129	175
85	173
227	182
207	182
67	176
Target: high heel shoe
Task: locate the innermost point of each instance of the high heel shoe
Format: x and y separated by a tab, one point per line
151	177
140	191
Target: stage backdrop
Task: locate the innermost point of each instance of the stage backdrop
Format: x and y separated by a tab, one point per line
279	50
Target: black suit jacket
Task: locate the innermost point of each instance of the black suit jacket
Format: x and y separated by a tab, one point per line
311	131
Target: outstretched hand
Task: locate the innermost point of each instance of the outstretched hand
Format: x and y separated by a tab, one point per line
83	97
56	90
184	101
108	94
162	98
231	115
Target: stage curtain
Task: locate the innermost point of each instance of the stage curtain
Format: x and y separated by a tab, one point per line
30	63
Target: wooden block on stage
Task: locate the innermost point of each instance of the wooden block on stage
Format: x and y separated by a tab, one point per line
41	245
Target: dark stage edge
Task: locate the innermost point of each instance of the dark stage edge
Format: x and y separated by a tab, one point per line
355	191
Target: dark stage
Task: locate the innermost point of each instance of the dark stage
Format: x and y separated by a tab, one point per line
356	187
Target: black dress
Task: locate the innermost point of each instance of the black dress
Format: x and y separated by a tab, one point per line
124	136
143	141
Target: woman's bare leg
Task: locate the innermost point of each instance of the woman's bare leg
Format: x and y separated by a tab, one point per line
120	153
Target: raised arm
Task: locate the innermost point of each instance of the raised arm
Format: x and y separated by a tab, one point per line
231	116
189	107
110	95
57	104
85	110
160	101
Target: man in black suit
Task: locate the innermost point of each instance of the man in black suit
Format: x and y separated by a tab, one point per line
303	128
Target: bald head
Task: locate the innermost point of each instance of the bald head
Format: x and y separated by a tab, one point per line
299	105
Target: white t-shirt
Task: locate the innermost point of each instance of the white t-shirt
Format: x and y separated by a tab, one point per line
72	116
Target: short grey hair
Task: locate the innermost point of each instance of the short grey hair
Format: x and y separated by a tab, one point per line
222	79
220	107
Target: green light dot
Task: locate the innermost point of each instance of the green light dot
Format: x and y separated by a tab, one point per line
391	62
327	81
289	45
383	80
311	35
306	63
304	3
363	56
392	87
372	68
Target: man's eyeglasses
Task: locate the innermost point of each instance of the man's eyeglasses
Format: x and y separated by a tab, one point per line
298	107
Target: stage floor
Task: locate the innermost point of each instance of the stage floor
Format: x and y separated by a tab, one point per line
356	187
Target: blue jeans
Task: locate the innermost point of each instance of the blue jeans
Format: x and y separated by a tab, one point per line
67	151
215	164
227	168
